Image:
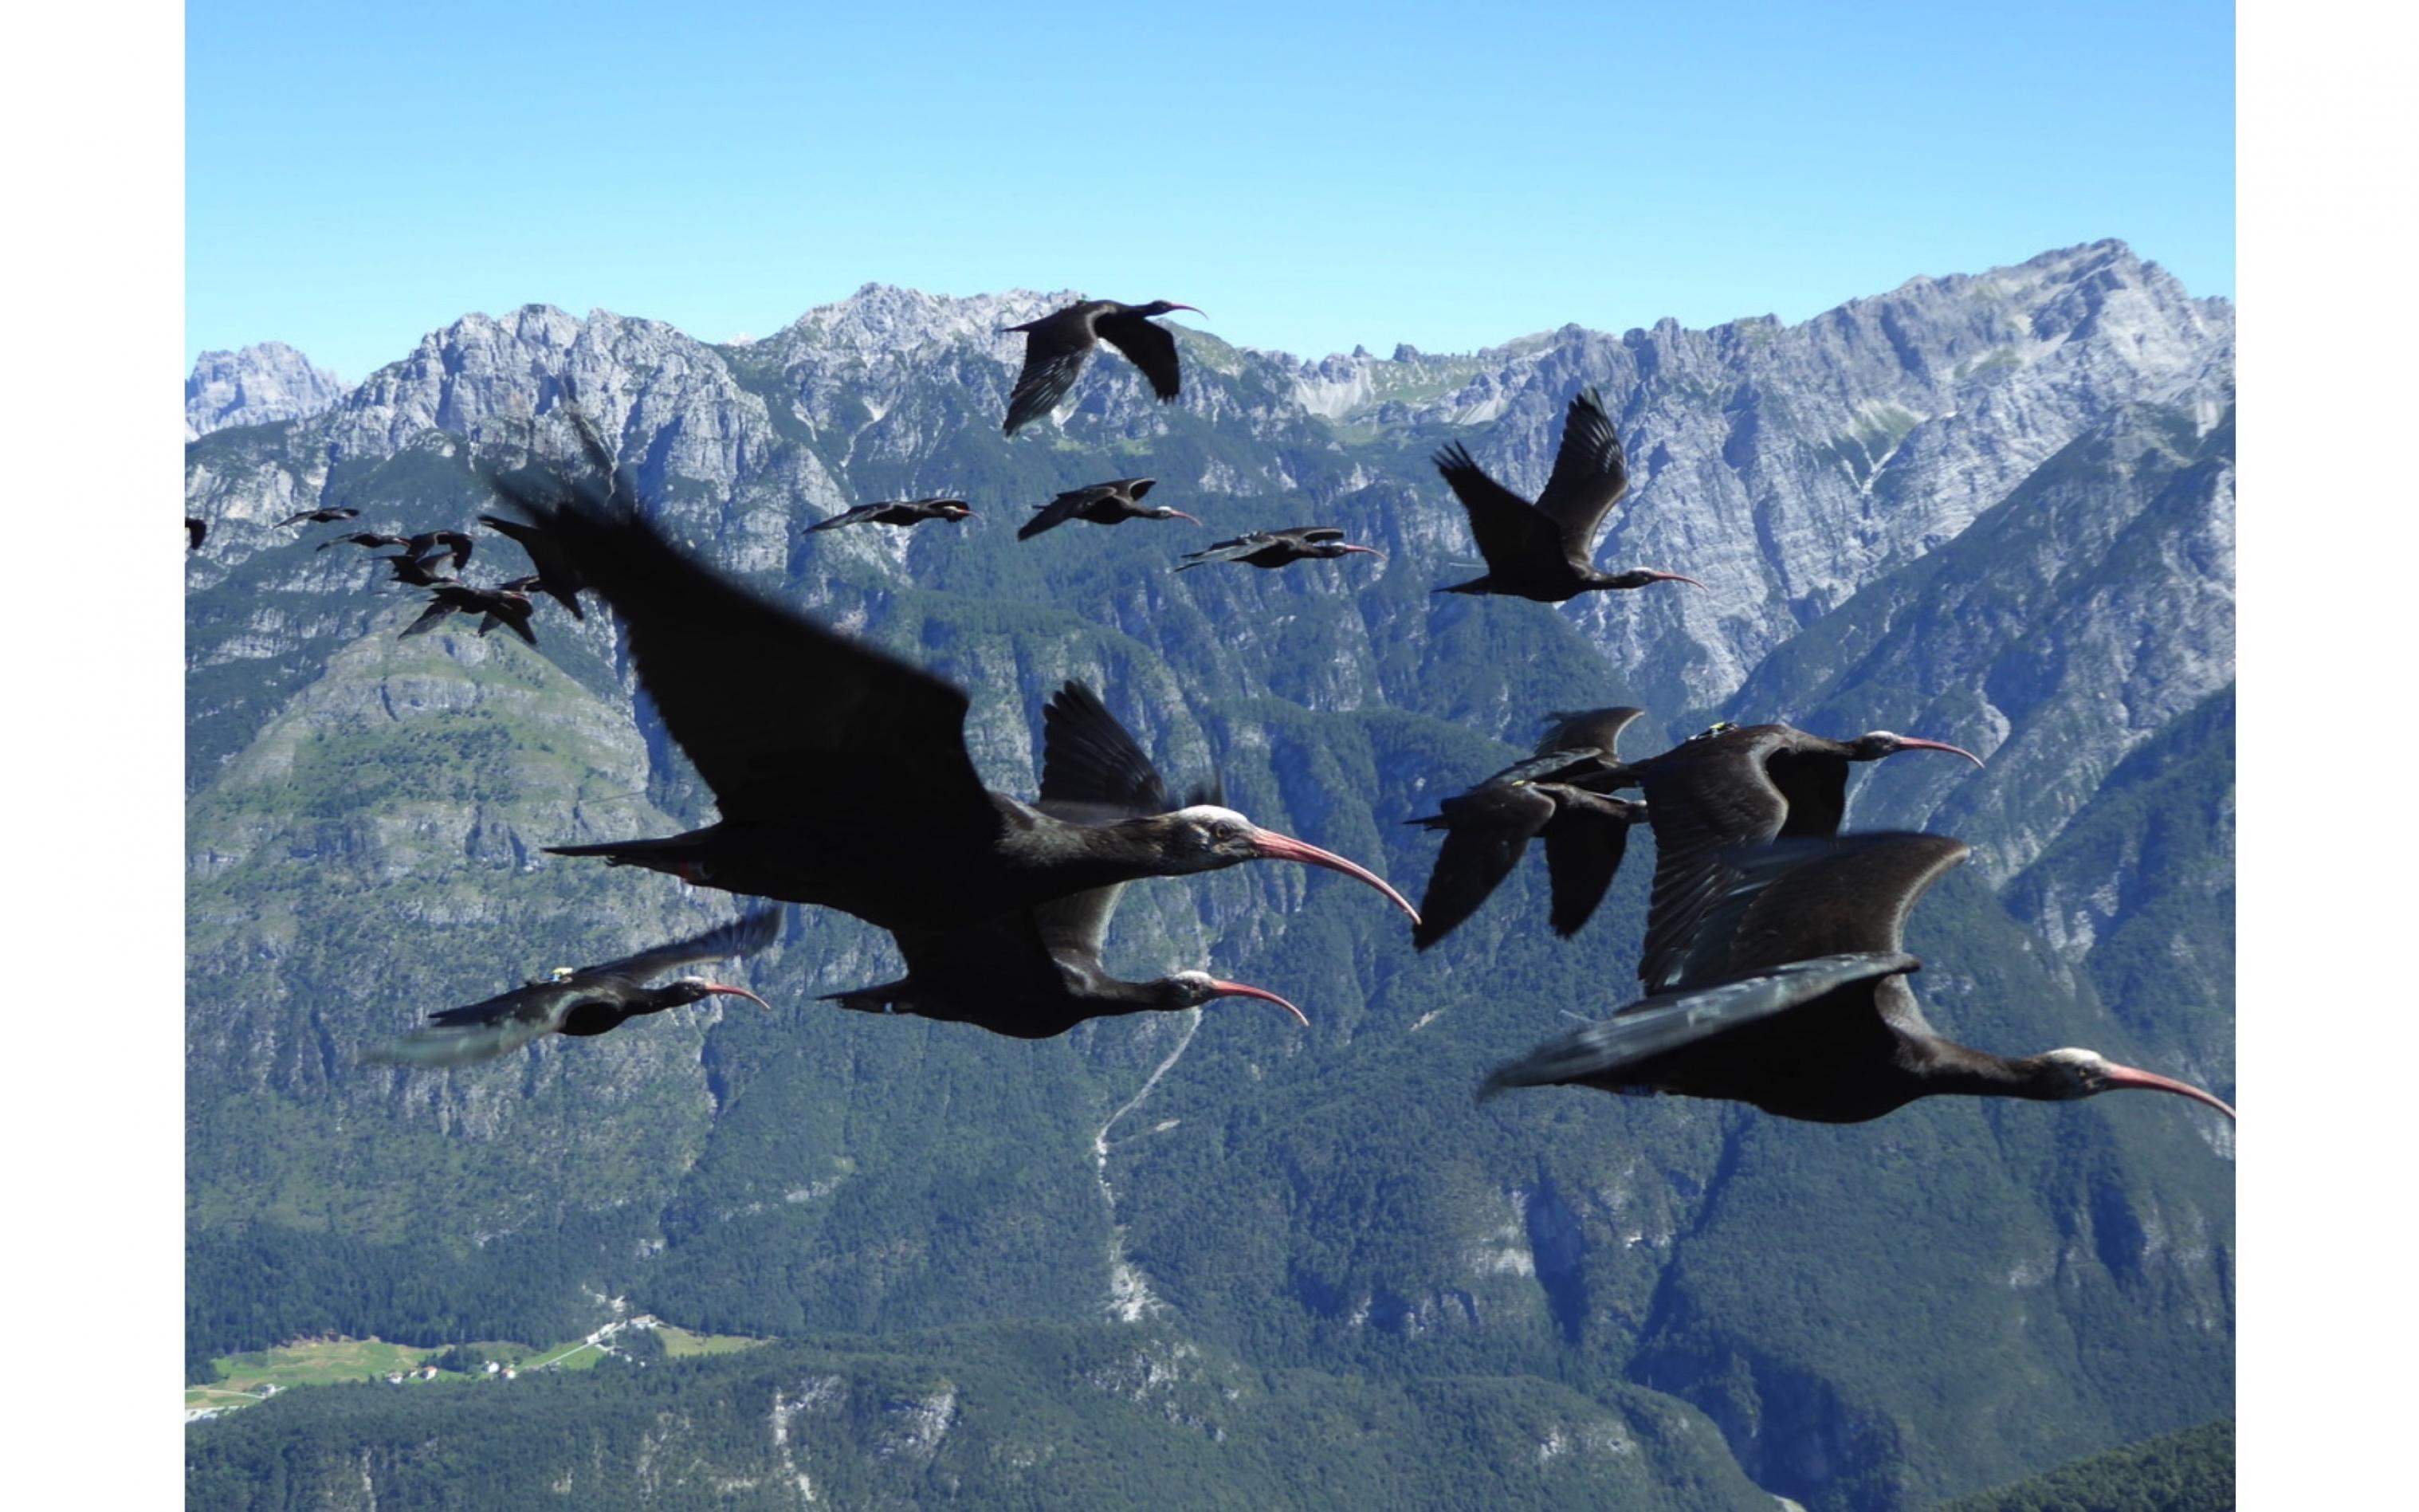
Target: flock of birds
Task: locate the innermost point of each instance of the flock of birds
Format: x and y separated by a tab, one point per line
1774	968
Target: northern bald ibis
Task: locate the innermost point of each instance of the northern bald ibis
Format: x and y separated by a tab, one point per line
1038	973
1541	551
1736	785
417	571
368	538
194	531
896	512
1488	827
505	606
1793	995
317	516
1277	549
587	1000
842	772
1100	503
554	576
1056	345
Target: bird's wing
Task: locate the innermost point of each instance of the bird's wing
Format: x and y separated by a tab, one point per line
1583	849
1147	345
1312	534
742	936
1590	473
511	616
1486	830
853	517
1234	550
194	531
555	575
1794	900
786	720
1093	771
294	519
996	973
1706	798
1063	508
437	611
1053	355
1659	1025
1588	730
1507	525
479	1031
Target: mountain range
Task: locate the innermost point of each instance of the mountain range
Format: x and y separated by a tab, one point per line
1994	509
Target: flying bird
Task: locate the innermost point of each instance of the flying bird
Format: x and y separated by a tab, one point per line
588	1000
506	604
1038	973
1100	503
896	512
1276	548
317	516
842	772
1056	345
1551	795
368	538
194	531
1792	997
1733	786
555	576
417	571
1542	551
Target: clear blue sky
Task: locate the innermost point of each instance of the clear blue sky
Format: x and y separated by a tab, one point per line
1314	176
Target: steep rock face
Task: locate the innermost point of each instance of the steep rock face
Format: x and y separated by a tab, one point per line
1995	510
256	386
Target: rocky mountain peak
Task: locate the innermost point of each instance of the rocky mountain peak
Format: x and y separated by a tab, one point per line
263	383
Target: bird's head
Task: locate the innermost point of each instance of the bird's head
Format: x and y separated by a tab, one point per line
1156	307
696	989
1190	989
1875	744
1206	838
1344	548
1639	577
2071	1074
952	510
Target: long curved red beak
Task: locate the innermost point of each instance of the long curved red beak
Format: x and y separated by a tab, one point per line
1235	989
1177	513
737	991
2125	1078
1913	743
1278	847
1194	308
1670	577
1371	550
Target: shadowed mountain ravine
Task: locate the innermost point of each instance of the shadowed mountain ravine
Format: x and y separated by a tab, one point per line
1995	510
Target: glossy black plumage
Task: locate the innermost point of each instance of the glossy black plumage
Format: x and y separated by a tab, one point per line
590	1001
902	512
1098	503
1277	549
1038	973
1561	794
317	516
194	531
842	772
368	538
1543	552
1056	345
1792	996
1736	786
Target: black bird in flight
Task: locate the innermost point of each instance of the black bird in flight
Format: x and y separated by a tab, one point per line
194	531
896	512
317	516
1553	794
842	772
1736	786
506	604
417	571
1100	503
1276	548
1038	973
368	538
1056	345
555	576
589	1000
1792	997
1541	551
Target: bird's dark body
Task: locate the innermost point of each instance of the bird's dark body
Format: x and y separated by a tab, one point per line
1792	994
1269	549
1057	344
1098	503
1540	551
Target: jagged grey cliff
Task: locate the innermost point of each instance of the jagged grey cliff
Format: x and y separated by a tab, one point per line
1994	509
261	384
